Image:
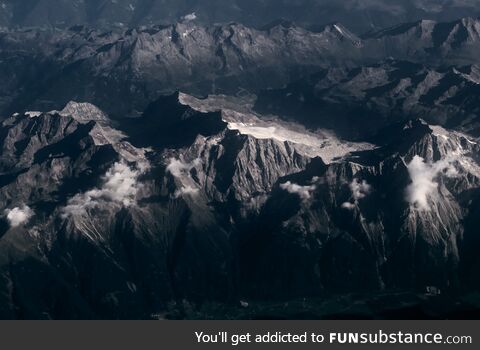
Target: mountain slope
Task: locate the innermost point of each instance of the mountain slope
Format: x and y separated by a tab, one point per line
123	71
455	41
126	227
377	95
391	217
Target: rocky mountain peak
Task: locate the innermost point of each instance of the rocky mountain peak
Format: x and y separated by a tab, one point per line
84	113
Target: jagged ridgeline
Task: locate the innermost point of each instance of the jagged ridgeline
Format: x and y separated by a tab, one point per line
201	170
361	16
123	71
245	207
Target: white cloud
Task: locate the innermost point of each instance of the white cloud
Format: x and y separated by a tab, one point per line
186	190
120	186
359	191
18	216
304	192
179	168
424	178
190	17
181	171
348	205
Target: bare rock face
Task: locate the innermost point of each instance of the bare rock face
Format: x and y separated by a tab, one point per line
95	222
84	112
298	161
118	221
379	95
106	207
448	40
122	71
396	221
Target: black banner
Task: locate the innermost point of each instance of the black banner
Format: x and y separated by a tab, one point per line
239	334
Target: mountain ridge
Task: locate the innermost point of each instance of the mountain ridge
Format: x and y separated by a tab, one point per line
226	207
122	13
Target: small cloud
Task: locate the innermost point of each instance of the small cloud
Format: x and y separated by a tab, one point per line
179	169
186	191
18	216
315	179
190	17
120	186
424	178
348	206
359	191
304	192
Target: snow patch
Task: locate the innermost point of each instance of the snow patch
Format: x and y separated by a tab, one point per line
33	114
339	29
238	114
321	143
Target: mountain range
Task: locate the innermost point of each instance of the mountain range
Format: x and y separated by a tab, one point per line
374	96
240	206
361	16
202	170
122	72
